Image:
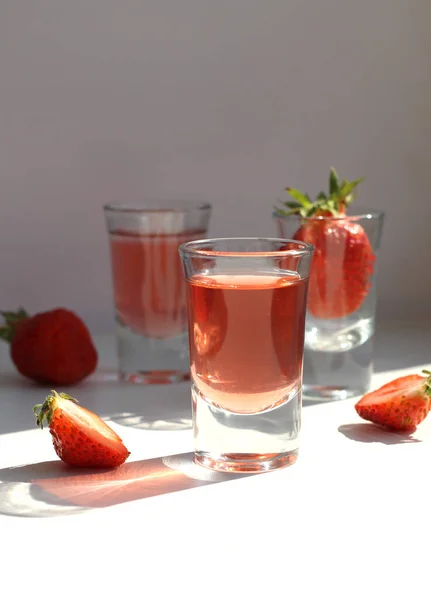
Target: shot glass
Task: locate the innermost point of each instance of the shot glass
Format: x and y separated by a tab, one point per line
148	285
338	354
246	311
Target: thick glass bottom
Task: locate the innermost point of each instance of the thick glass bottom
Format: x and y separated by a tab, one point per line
246	463
144	360
154	377
337	375
337	335
322	392
246	443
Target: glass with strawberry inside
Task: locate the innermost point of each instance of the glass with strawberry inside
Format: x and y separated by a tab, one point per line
342	290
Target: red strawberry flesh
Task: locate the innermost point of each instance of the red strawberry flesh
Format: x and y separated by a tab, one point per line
400	404
342	266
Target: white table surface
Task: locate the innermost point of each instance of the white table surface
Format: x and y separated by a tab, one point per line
351	519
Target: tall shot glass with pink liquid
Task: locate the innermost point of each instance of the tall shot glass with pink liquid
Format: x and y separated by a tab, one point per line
149	291
246	310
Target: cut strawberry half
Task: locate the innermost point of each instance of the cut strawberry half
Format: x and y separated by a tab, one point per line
81	438
400	404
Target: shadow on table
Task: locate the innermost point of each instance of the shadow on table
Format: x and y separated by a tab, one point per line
52	488
160	408
314	402
150	407
368	433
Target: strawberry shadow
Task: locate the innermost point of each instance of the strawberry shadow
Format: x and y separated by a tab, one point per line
50	489
368	433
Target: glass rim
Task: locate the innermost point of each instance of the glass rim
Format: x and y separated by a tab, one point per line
362	214
157	206
193	248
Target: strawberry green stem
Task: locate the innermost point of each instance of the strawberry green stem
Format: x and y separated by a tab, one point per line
44	412
340	194
427	382
12	320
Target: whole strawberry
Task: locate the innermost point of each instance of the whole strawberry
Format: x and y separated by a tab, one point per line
81	438
53	347
400	405
343	262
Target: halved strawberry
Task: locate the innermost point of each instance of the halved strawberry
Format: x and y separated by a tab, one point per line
81	438
401	404
343	262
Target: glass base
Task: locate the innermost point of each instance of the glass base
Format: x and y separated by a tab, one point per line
246	463
322	392
246	443
154	377
144	360
337	375
337	335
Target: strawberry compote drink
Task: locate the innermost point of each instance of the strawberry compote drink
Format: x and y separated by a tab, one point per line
246	310
247	338
149	290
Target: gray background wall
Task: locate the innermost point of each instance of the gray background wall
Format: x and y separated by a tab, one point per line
227	101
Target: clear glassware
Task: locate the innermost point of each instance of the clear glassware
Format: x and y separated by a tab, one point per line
148	286
246	311
341	303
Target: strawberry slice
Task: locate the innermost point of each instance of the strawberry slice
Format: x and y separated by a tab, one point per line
401	404
81	438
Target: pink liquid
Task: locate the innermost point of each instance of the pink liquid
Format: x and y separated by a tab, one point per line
149	291
246	338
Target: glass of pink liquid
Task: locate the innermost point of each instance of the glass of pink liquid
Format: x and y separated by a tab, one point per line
149	290
246	302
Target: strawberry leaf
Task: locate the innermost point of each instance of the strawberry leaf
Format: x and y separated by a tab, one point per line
12	320
349	186
65	396
312	211
334	184
340	195
295	209
292	204
427	382
331	206
12	317
302	199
